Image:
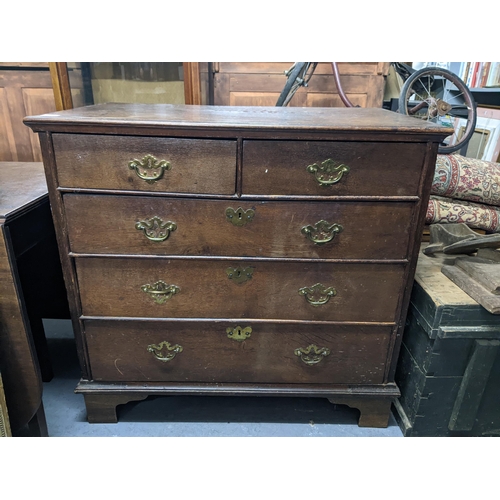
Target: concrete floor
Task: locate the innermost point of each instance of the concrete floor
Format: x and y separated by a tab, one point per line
177	416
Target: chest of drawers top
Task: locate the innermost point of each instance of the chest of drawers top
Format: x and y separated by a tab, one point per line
238	151
163	119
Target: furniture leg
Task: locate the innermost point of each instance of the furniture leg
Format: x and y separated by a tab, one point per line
38	424
101	408
41	347
373	412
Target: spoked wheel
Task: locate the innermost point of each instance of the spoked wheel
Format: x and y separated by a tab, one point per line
297	76
440	96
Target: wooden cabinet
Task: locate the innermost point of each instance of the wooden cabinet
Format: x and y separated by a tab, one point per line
260	84
238	250
85	83
24	90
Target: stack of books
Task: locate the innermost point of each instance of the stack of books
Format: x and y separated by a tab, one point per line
480	74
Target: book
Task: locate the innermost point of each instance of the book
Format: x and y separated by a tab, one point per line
464	70
494	76
470	74
477	66
475	76
485	74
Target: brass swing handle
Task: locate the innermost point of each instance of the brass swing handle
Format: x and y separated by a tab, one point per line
160	292
155	229
318	294
312	354
329	172
322	232
164	351
149	169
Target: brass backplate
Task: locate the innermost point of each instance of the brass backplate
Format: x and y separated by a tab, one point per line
329	172
155	229
164	351
239	217
312	354
160	292
149	169
322	232
239	334
318	294
239	274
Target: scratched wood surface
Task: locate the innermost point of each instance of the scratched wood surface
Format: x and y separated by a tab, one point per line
442	290
393	159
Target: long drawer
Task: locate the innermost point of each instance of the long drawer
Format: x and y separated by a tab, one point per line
314	168
163	226
181	288
221	352
146	163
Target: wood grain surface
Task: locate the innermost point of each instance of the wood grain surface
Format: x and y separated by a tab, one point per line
115	116
112	287
197	166
376	169
20	369
107	224
253	157
119	352
21	184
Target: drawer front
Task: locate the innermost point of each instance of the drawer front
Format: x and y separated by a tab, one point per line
356	168
178	288
132	351
161	226
121	162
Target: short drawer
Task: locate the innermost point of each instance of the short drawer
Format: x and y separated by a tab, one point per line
171	165
187	351
186	288
162	226
312	168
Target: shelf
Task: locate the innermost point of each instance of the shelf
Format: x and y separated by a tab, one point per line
486	96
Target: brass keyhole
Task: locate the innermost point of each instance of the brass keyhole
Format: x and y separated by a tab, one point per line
239	217
239	274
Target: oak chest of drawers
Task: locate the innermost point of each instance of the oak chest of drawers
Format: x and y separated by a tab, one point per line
238	251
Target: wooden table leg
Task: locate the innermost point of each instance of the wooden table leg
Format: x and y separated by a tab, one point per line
38	424
373	412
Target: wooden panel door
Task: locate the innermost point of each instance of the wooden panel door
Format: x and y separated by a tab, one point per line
7	141
22	92
260	84
37	101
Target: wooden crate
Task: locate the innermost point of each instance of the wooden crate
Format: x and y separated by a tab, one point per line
449	365
260	84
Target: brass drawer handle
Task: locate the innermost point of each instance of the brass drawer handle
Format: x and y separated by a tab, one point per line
239	334
239	274
312	354
149	169
329	172
322	232
239	217
318	294
155	229
164	351
160	292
